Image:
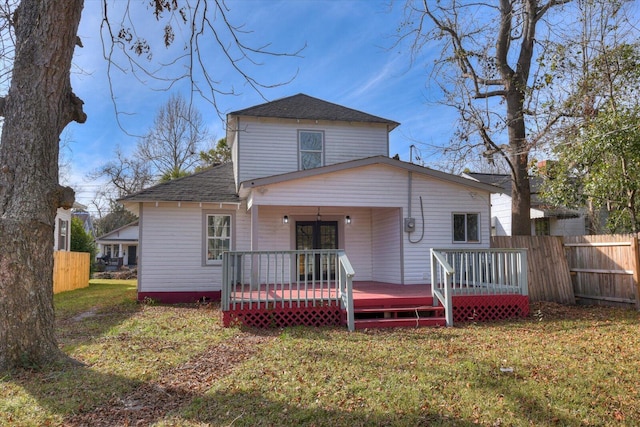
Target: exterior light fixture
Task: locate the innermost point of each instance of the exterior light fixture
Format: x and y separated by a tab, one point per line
347	219
285	219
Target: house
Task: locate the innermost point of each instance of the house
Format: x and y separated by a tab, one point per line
545	220
311	193
120	247
87	221
62	228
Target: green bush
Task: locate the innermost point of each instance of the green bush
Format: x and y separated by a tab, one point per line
81	241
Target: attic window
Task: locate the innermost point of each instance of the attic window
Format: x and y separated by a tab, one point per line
310	149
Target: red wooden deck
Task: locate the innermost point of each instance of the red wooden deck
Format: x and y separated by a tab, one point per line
363	293
280	308
381	294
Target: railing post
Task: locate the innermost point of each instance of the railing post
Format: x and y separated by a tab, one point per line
225	281
448	311
444	268
345	285
524	272
433	277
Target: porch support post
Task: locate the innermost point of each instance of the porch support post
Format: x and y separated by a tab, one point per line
254	246
254	228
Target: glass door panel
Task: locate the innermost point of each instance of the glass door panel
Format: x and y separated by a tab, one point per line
316	235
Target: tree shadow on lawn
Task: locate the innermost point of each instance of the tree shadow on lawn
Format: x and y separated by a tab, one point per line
145	403
95	322
183	394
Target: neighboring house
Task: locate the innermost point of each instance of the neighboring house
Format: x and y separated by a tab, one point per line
87	221
62	228
120	247
545	220
305	174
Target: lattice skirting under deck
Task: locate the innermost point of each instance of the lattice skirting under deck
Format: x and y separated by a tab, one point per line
280	315
486	308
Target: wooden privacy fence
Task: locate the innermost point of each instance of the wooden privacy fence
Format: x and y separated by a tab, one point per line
70	270
549	276
604	268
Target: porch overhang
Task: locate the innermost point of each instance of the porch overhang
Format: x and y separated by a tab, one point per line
260	184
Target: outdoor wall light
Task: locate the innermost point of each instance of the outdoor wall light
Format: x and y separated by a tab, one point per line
347	219
285	219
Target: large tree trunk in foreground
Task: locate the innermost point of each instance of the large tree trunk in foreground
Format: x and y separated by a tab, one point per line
39	105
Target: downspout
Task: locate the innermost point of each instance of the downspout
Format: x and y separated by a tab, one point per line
237	133
410	178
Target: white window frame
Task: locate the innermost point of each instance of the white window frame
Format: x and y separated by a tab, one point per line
207	237
301	151
466	224
63	233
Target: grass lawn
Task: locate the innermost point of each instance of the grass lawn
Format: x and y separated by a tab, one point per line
149	364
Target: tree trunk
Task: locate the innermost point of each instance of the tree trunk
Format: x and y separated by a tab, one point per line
519	160
38	106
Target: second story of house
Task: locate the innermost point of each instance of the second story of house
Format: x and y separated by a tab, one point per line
301	132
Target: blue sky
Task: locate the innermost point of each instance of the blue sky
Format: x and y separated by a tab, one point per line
349	59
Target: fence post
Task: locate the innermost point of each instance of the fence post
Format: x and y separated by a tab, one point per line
636	269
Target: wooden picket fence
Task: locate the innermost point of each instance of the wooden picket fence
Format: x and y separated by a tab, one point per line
601	269
70	270
549	275
604	269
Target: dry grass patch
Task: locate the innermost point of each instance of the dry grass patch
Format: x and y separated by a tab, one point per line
176	366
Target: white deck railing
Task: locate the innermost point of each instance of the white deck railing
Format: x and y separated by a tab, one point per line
441	276
258	279
477	272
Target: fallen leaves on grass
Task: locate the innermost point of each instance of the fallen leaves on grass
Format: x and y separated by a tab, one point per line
153	400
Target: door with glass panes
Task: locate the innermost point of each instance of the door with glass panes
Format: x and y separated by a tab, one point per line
316	235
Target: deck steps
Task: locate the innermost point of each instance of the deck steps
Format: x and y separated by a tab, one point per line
398	317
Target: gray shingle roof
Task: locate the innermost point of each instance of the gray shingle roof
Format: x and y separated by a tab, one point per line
305	107
212	185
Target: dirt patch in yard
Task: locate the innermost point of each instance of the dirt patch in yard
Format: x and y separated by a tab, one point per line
153	400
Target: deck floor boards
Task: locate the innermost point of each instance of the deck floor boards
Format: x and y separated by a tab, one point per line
364	293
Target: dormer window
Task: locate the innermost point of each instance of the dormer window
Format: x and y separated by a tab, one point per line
310	149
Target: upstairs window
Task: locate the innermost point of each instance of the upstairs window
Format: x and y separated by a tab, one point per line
466	228
218	237
310	149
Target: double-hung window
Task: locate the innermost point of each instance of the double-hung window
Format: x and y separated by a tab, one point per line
63	232
466	228
218	235
310	149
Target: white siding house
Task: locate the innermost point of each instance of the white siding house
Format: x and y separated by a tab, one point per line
120	245
545	220
62	230
302	167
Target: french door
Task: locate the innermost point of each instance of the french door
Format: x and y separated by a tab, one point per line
316	235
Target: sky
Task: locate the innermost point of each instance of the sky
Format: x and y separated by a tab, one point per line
349	58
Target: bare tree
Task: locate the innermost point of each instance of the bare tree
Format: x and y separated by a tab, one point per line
125	176
189	28
485	72
173	144
38	41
